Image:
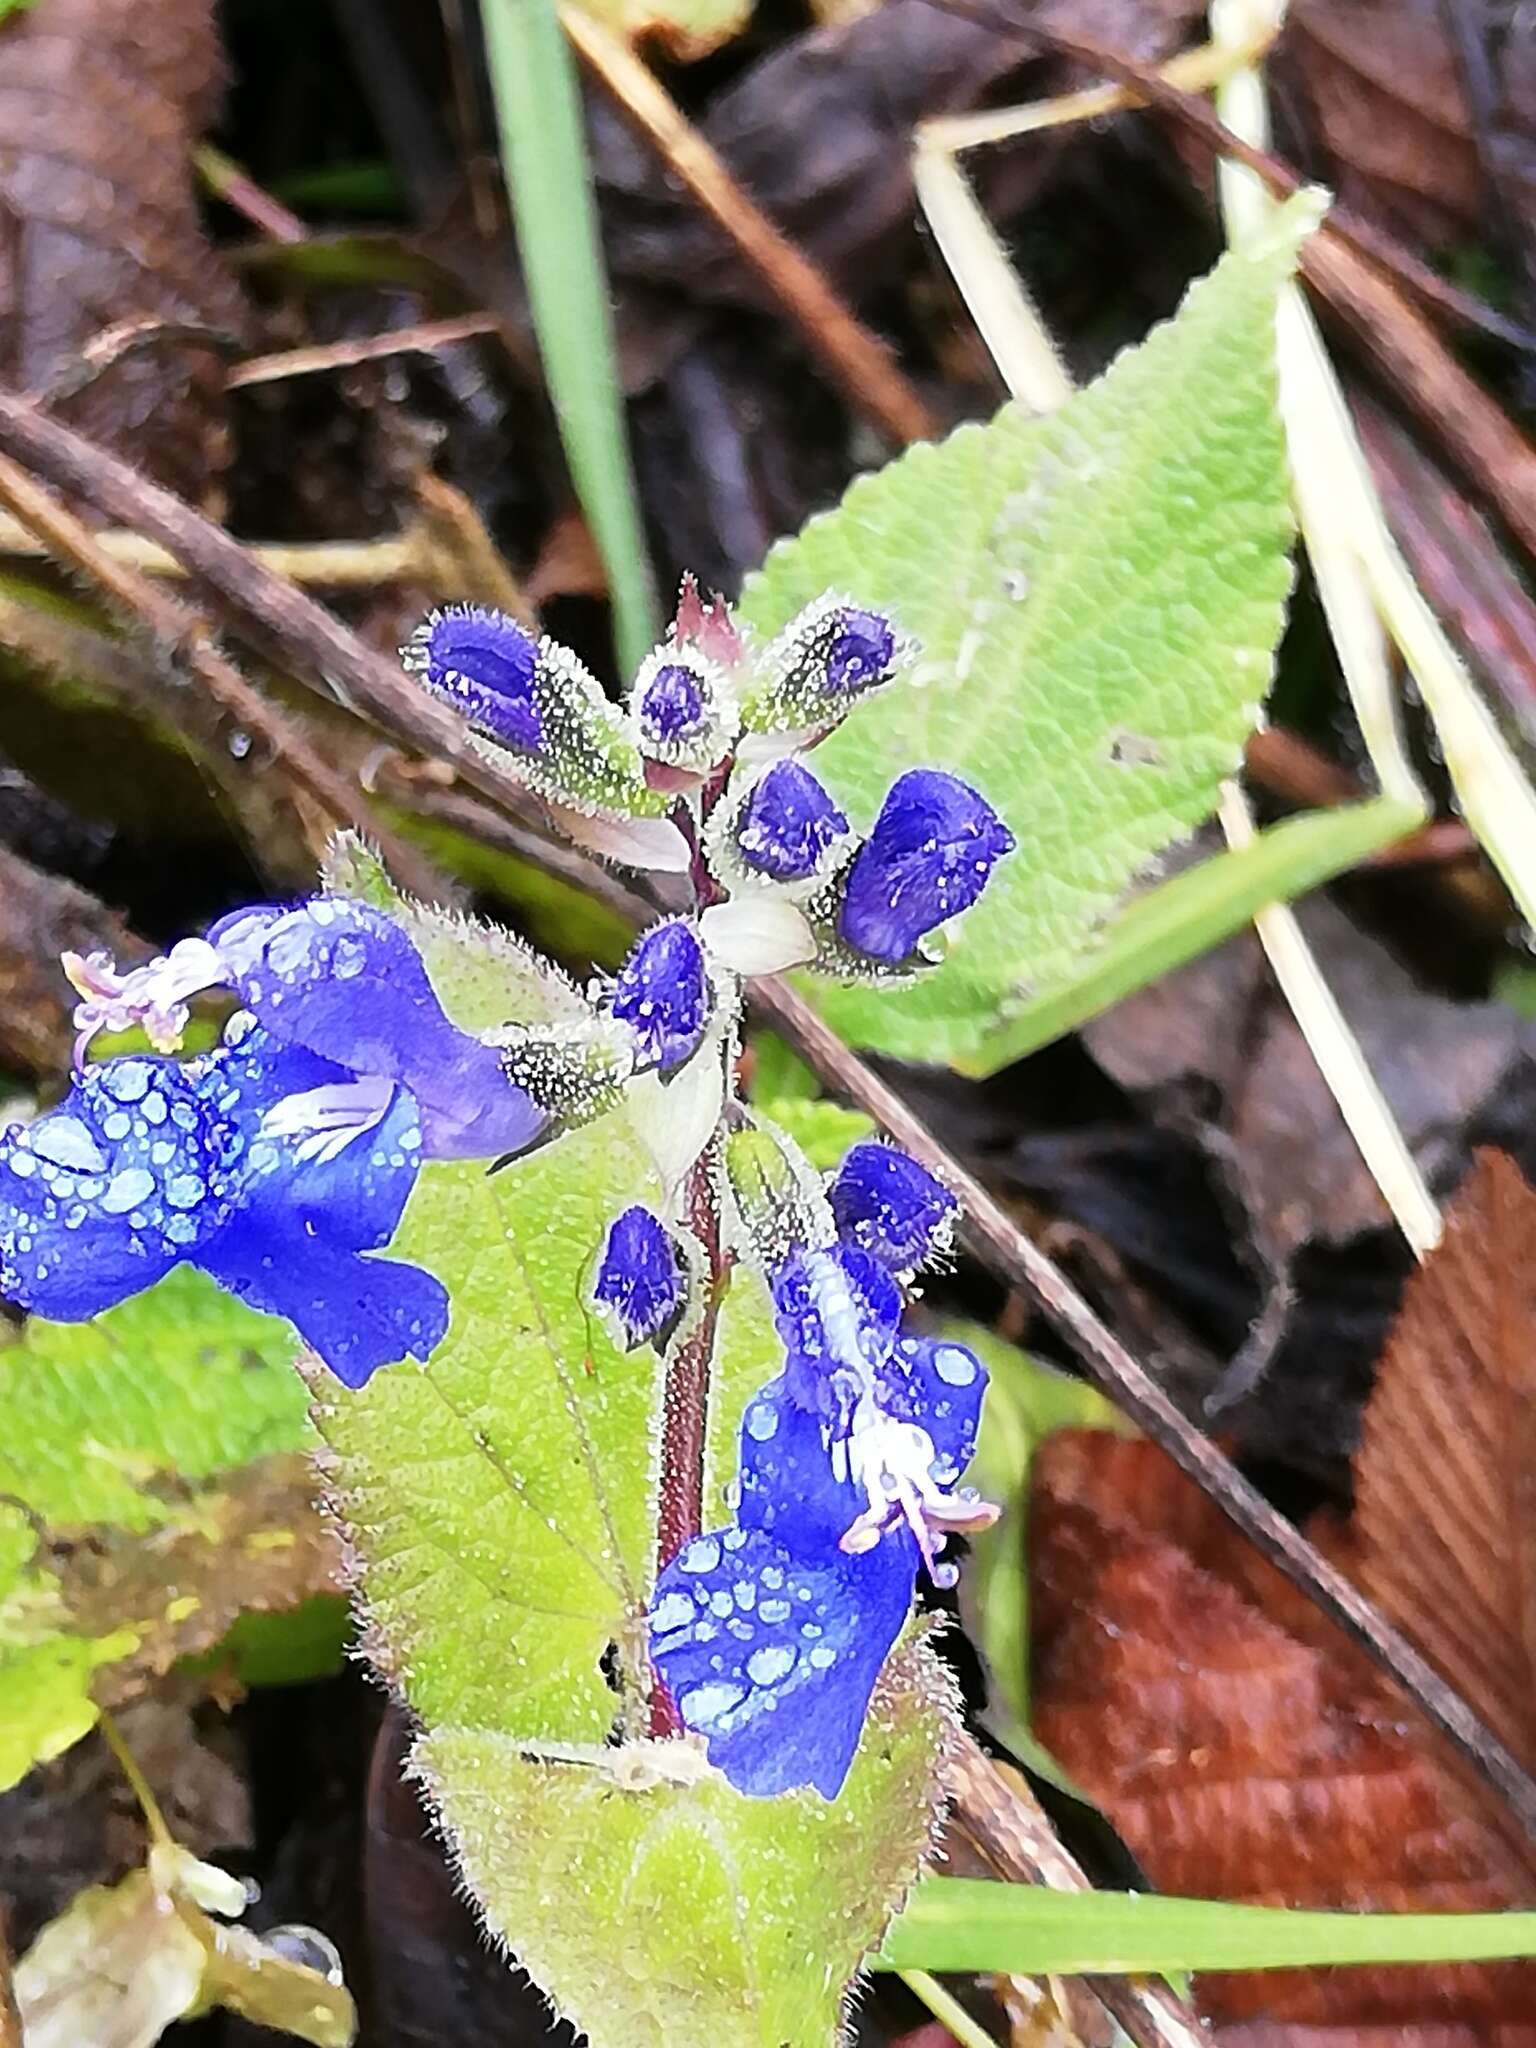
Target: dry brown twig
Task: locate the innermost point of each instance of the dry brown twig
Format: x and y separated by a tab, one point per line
323	653
858	362
180	631
1011	1832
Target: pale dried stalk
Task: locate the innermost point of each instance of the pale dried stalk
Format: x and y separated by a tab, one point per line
1034	375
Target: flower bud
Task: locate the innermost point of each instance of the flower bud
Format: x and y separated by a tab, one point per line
788	826
682	709
642	1280
482	663
663	995
888	1205
932	850
574	1071
535	709
827	658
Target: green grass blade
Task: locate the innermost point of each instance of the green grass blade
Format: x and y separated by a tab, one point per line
544	159
955	1924
1193	912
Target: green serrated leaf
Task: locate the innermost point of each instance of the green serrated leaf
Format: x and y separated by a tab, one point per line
1097	597
498	1496
966	1924
661	1909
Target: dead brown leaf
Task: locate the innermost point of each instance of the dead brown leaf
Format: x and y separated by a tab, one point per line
251	1541
1216	1051
99	103
1445	1477
1246	1752
1380	80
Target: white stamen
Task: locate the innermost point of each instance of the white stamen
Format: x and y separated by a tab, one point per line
324	1121
153	996
893	1462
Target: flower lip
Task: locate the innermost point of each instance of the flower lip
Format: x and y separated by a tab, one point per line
641	1279
929	857
663	994
837	1312
274	1171
482	662
788	823
347	982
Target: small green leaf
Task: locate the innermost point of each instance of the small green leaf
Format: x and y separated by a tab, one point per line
661	1909
155	1455
499	1497
1097	597
966	1924
1167	925
45	1668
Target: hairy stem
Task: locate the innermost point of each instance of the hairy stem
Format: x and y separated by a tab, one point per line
680	1514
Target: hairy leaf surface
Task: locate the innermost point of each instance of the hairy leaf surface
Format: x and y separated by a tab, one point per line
1097	597
662	1909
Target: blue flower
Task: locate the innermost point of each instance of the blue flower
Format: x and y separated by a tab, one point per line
274	1163
770	1634
837	1311
788	823
346	981
932	850
482	663
888	1205
641	1279
662	993
270	1168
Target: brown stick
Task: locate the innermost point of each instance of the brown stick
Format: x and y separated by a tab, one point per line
1346	261
324	654
180	629
423	339
1011	1831
1004	1248
858	362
